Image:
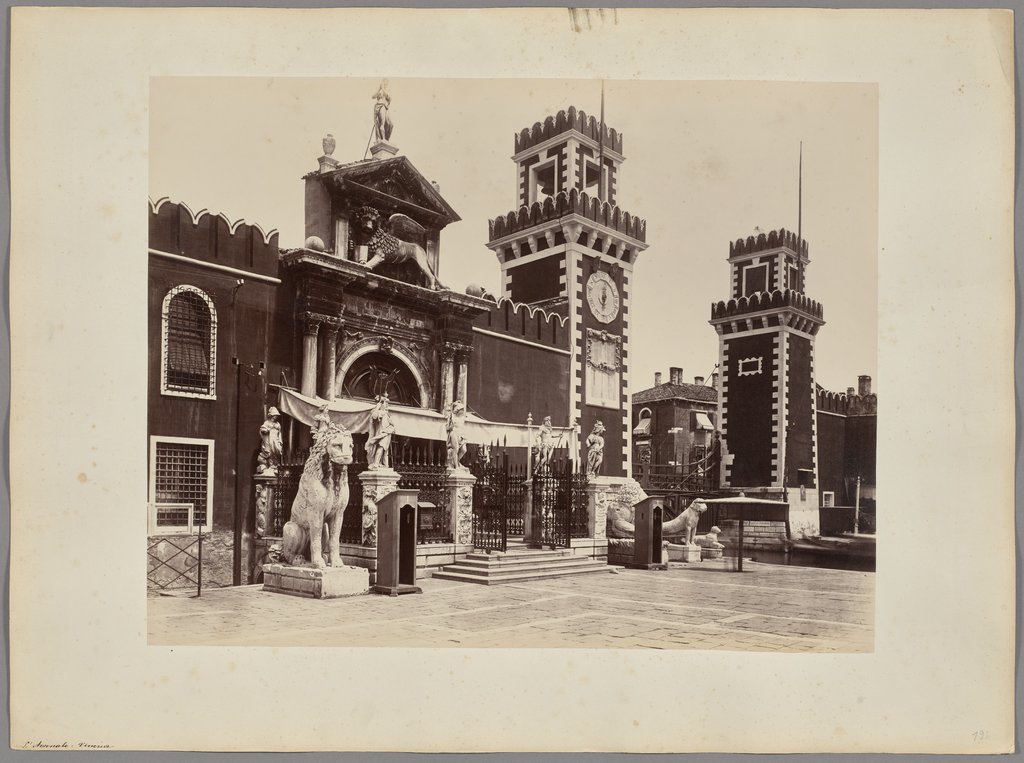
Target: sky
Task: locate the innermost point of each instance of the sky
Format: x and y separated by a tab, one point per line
706	163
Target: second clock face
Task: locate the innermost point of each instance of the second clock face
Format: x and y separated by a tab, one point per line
603	297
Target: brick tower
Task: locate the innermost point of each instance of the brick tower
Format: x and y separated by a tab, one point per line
766	334
570	249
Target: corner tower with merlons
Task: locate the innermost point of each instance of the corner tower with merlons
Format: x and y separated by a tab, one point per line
570	249
766	332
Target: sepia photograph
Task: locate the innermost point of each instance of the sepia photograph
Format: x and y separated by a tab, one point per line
506	380
432	337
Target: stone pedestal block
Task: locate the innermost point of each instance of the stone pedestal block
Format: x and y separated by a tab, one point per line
707	552
266	484
599	490
376	484
679	553
459	484
313	583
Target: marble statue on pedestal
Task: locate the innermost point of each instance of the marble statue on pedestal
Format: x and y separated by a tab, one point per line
382	125
545	446
378	443
456	436
595	450
270	446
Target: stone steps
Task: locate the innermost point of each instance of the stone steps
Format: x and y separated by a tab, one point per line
519	566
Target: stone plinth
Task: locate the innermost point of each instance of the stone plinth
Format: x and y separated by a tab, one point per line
679	553
377	483
599	493
383	150
266	484
459	484
313	583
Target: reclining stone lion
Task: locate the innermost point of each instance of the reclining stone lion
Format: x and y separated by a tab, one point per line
319	505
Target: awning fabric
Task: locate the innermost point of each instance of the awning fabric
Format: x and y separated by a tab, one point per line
703	422
354	415
643	428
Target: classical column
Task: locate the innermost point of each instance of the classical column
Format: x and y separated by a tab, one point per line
310	328
447	376
327	371
462	358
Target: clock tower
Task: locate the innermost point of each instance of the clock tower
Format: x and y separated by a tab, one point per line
570	249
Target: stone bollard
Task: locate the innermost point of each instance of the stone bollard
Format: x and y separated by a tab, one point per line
377	483
459	484
527	509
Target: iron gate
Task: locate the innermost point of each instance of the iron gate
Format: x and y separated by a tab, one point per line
559	506
490	505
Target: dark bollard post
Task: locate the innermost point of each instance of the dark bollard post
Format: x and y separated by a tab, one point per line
199	577
740	550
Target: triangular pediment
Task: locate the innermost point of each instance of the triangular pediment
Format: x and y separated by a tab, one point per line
395	178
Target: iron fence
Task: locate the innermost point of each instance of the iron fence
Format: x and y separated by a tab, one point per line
673	478
423	466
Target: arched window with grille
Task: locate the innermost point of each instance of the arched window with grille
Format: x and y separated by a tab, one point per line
189	356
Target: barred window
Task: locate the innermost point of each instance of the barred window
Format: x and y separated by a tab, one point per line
189	343
180	479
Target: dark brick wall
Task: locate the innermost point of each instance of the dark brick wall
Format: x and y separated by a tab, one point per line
832	455
248	324
800	439
861	443
537	280
508	380
748	411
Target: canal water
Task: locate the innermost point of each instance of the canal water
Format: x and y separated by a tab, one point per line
827	559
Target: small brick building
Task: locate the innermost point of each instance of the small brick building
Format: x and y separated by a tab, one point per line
673	422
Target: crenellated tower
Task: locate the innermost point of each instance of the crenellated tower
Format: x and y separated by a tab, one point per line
766	333
569	248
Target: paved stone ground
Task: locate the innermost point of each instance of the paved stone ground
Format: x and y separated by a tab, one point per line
705	606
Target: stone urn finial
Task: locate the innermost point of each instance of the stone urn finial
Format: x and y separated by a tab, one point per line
328	144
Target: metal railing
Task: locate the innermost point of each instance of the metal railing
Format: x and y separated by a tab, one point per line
673	478
184	565
423	466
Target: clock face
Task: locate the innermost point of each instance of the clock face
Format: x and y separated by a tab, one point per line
603	297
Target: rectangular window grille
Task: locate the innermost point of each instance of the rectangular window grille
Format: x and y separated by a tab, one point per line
188	340
181	477
828	499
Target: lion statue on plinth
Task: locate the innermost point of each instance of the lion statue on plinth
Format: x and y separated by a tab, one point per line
686	523
319	506
387	241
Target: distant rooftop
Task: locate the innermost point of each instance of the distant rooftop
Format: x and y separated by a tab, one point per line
669	391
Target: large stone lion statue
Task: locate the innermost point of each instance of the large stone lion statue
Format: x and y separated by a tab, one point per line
319	505
686	523
384	238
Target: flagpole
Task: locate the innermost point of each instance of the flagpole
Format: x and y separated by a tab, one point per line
600	141
800	203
